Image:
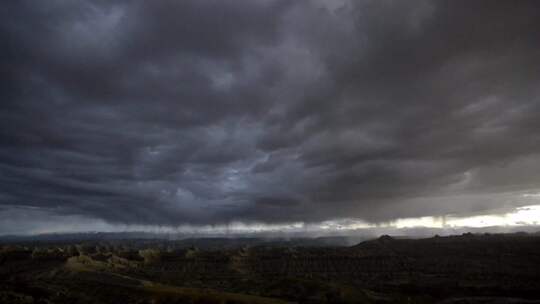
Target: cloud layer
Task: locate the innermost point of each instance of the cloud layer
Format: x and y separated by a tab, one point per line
206	112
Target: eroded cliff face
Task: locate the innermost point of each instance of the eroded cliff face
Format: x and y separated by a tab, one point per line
437	268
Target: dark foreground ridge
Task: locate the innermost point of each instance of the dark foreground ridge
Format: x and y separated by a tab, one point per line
470	268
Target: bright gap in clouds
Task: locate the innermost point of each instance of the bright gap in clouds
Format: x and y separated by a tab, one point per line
522	216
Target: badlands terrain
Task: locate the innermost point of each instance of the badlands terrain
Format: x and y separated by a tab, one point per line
469	268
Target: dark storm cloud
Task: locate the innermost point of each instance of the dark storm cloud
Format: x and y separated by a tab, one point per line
209	111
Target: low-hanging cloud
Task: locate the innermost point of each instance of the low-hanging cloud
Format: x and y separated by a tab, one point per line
206	112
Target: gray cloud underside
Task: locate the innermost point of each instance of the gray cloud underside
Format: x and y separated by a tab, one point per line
172	112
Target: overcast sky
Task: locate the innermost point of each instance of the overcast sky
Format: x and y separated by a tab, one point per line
206	112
